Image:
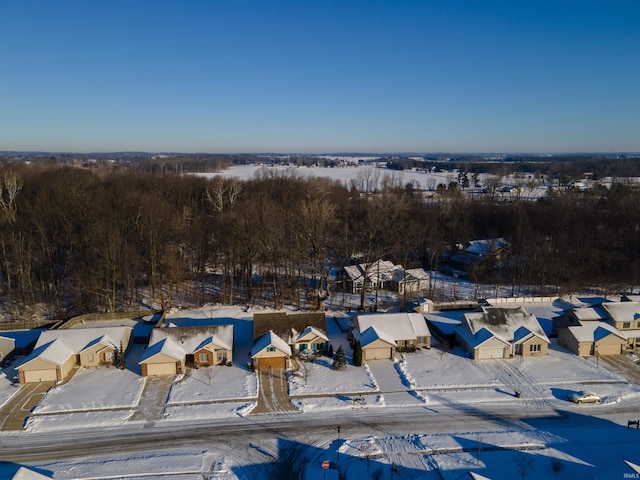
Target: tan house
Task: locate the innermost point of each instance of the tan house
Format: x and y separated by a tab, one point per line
101	351
50	362
7	345
592	338
625	317
310	339
57	351
501	332
202	346
301	331
164	357
409	281
382	334
270	352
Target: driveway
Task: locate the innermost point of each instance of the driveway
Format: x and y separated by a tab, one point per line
273	393
15	412
153	400
390	383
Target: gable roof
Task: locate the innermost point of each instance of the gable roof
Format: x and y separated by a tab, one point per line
103	340
397	326
24	473
485	247
622	311
165	346
510	324
313	332
79	338
56	352
591	331
589	313
192	339
380	270
287	325
270	339
371	334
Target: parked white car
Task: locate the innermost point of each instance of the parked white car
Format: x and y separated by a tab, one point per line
585	397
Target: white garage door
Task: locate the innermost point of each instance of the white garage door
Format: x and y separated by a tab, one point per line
486	353
35	376
374	353
161	369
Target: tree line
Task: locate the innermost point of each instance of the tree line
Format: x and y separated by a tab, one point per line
78	240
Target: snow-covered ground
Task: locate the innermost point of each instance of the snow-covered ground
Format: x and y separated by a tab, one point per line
429	380
422	180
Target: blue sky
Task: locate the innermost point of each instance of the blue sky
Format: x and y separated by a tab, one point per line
320	76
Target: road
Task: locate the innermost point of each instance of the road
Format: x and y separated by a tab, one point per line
236	432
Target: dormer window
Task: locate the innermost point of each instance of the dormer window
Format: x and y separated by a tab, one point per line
271	348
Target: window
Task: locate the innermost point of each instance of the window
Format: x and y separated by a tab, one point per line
90	357
271	349
222	355
535	347
626	324
108	356
203	357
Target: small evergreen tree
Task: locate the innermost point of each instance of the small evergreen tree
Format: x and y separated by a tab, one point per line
357	354
120	359
340	361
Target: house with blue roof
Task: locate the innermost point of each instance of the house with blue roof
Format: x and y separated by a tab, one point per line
501	332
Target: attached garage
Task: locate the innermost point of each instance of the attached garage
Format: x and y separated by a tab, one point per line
376	345
270	351
51	362
163	358
489	353
36	376
377	353
270	363
159	369
492	347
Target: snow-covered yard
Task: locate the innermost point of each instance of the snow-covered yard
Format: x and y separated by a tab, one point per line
214	384
319	378
97	388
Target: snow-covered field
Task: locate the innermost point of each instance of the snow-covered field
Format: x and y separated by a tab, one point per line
422	180
431	380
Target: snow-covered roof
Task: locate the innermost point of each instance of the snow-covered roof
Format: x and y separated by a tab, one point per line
480	337
591	331
311	331
397	326
56	352
354	272
630	333
192	339
371	334
78	339
380	270
165	346
418	273
412	274
103	340
482	248
24	473
270	339
589	313
623	311
505	323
